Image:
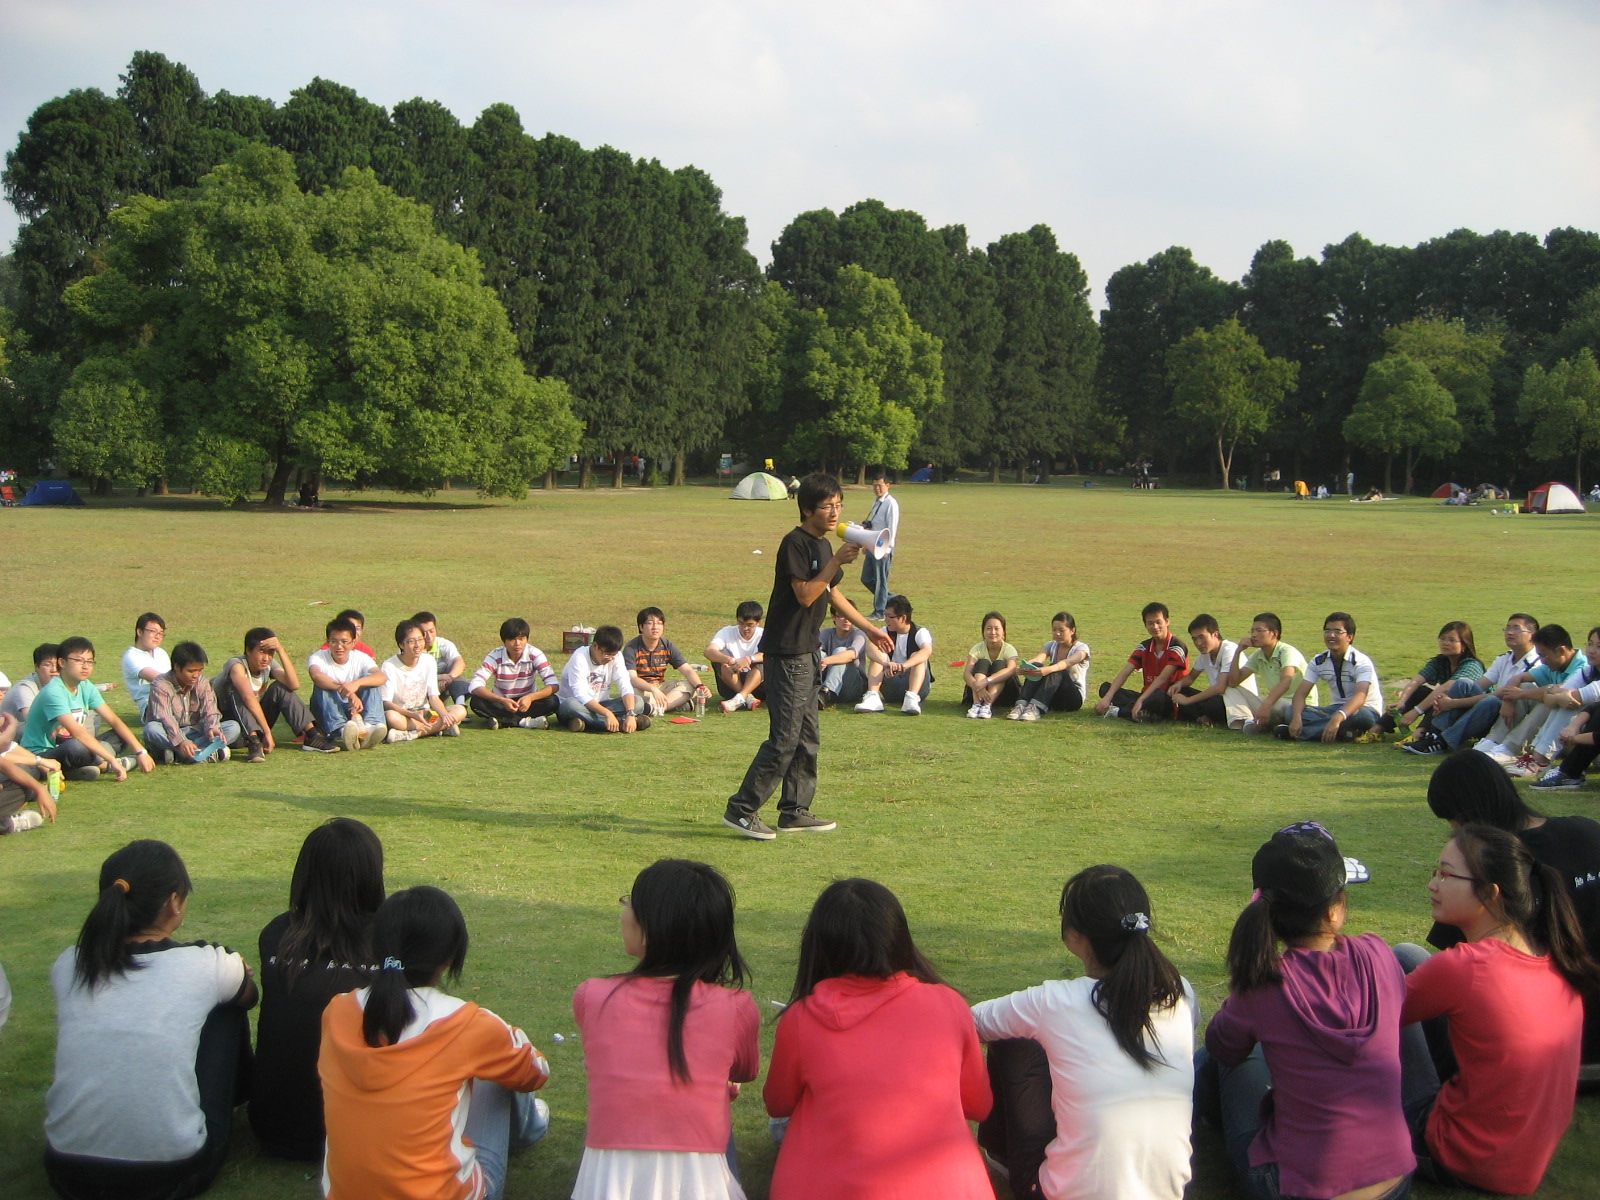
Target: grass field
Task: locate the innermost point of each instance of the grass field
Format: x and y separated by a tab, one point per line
974	824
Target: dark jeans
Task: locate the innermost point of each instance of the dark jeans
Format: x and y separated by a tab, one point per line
497	709
72	753
1212	707
222	1069
275	701
1426	1060
789	755
1058	692
1232	1099
1157	708
1022	1123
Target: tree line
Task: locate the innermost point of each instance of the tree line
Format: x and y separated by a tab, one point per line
225	291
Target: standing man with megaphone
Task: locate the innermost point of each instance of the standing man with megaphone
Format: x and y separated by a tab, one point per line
806	577
885	514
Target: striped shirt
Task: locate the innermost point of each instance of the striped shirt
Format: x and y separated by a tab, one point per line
513	680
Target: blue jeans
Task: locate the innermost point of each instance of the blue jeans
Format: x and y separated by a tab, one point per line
567	709
499	1121
875	575
894	687
1314	719
1458	726
1233	1096
846	681
331	711
155	735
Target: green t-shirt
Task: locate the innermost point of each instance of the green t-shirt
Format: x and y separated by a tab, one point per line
53	702
1269	669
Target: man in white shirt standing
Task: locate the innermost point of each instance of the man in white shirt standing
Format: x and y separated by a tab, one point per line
885	514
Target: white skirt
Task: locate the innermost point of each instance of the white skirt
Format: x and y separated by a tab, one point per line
654	1175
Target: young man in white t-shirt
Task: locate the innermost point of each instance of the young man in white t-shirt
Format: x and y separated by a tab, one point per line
146	660
588	680
347	701
1220	702
455	685
902	674
412	706
735	654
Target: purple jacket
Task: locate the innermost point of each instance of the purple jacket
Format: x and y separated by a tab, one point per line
1331	1036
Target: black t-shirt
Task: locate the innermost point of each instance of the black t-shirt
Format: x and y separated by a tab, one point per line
285	1093
791	629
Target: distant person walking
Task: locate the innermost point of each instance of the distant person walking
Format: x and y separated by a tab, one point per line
885	514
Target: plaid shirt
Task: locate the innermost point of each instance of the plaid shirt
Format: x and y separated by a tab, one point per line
178	710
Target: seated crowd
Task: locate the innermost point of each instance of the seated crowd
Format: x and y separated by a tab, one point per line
1459	1066
1533	709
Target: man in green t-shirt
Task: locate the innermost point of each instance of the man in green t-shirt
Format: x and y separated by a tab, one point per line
1277	666
59	725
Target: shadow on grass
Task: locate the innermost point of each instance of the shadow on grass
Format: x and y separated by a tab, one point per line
595	822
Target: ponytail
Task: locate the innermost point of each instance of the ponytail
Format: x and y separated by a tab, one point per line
1532	897
1253	958
1110	908
135	884
418	935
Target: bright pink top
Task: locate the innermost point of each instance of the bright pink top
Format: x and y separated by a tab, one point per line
634	1102
1515	1026
879	1078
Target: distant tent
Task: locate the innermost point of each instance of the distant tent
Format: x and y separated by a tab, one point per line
925	475
1445	490
51	491
1551	498
758	485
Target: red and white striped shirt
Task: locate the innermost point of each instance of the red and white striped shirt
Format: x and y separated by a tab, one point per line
515	679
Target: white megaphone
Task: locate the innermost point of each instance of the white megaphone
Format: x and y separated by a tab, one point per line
876	541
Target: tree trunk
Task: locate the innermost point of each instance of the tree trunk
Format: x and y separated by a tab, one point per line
1411	463
1225	461
160	488
1577	473
1022	470
585	473
550	480
677	469
444	484
616	473
861	474
280	480
994	470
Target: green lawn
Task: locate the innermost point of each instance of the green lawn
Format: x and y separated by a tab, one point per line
974	824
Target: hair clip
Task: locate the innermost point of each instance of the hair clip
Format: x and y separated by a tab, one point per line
1136	922
393	964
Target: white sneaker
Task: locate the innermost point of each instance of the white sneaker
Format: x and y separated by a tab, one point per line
735	704
375	736
1030	712
402	735
872	702
911	706
25	819
533	723
976	712
1113	711
1497	751
450	731
350	736
987	711
1018	709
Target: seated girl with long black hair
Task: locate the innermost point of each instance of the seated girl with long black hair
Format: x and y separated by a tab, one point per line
153	1041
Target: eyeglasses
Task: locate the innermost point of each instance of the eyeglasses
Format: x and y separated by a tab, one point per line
154	631
81	660
625	901
1441	873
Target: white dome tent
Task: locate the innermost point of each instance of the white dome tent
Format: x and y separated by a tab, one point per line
1553	498
758	485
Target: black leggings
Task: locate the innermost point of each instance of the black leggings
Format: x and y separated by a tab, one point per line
222	1069
499	710
1578	758
1008	689
1022	1122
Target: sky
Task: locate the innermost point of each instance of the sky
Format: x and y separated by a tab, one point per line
1125	126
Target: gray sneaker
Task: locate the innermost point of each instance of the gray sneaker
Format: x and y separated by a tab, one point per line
22	821
802	821
750	825
81	774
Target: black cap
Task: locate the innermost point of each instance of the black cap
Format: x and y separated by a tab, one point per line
1300	865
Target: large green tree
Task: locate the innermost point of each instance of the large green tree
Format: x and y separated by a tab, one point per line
1402	409
333	331
1562	407
1225	385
